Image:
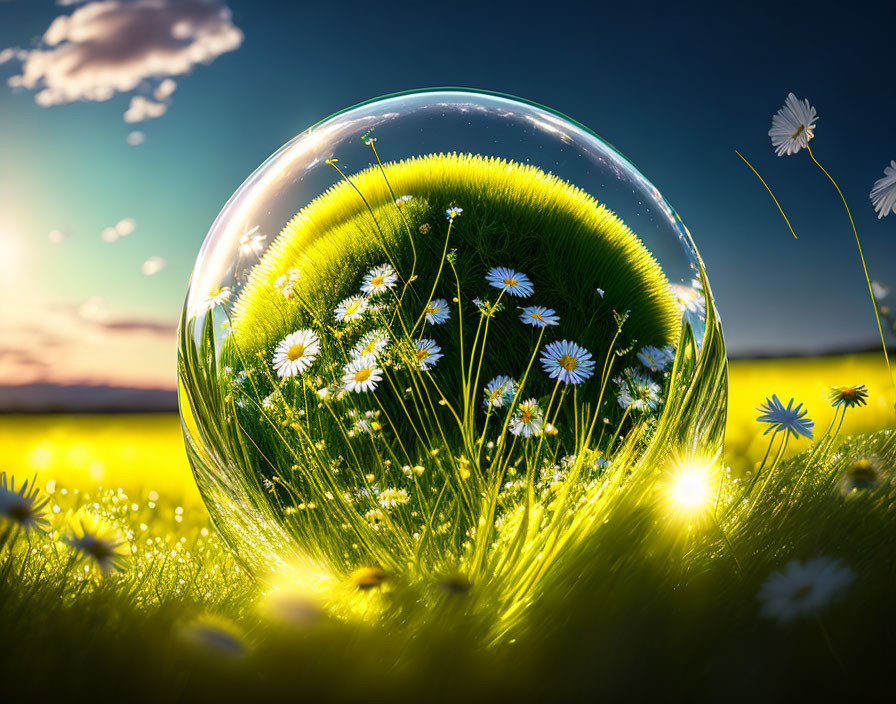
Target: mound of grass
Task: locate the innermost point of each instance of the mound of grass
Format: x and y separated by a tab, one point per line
514	215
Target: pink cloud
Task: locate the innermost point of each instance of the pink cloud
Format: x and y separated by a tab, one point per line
108	47
87	344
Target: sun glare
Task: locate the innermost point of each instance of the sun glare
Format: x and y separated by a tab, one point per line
10	253
689	490
689	484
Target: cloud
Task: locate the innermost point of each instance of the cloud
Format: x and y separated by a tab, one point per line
152	266
89	343
142	109
164	90
109	46
135	138
122	228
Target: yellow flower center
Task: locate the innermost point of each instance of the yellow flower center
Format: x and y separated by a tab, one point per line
526	416
510	282
568	362
377	280
362	374
371	346
431	309
294	352
799	131
421	355
352	307
537	316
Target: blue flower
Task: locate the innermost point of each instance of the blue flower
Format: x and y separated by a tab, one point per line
568	362
655	359
514	282
453	212
789	419
539	316
499	392
427	353
437	311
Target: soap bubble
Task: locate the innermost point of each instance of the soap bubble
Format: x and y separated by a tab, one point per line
425	318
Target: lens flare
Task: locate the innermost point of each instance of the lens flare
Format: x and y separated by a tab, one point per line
690	490
690	483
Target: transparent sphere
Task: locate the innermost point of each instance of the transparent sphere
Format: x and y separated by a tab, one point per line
423	320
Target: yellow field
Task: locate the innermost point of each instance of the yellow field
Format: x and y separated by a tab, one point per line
808	380
143	453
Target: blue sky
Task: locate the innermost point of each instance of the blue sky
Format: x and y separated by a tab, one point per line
676	88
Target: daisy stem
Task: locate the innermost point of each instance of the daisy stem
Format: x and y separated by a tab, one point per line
516	396
769	192
382	238
830	644
464	380
778	456
475	383
435	283
855	232
403	219
618	429
765	457
547	416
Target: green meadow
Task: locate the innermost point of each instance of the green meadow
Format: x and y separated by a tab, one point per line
657	600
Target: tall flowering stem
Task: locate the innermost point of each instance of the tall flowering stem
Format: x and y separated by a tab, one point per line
855	232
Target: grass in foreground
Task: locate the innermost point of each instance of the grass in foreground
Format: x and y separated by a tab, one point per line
664	598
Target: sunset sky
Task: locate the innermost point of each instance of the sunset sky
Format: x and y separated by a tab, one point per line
125	127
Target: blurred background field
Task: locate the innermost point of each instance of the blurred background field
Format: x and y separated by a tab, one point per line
144	453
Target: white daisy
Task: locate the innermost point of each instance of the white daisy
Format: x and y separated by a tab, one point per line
514	282
379	280
23	507
539	316
374	342
568	362
437	312
251	243
880	291
350	308
98	541
883	195
361	374
656	359
793	126
401	200
212	300
296	353
286	283
528	419
453	212
499	392
637	391
803	588
690	299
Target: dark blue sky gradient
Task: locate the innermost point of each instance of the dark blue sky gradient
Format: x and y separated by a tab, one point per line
675	87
